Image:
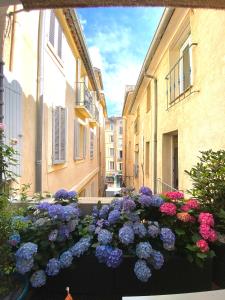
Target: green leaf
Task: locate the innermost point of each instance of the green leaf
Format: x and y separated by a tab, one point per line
192	248
95	245
202	255
179	231
212	254
195	237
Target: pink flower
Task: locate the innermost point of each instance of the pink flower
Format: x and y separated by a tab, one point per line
192	219
206	218
203	245
174	195
193	204
185	207
2	127
184	217
168	209
212	236
205	231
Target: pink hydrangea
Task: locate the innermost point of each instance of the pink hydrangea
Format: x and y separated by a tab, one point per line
206	218
202	245
212	236
185	208
193	204
168	209
192	219
174	195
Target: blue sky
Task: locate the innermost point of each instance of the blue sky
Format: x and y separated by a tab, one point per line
118	40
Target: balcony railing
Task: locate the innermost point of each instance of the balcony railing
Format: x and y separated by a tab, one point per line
95	115
84	100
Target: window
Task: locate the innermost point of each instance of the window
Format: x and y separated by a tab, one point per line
120	166
59	135
111	165
147	154
111	126
91	144
136	123
55	34
111	139
111	151
148	98
185	65
120	154
80	140
120	130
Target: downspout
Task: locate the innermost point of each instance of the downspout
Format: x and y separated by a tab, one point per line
155	134
39	106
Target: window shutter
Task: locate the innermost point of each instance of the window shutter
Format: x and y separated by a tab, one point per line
59	135
63	134
52	28
60	42
84	142
76	140
186	67
55	135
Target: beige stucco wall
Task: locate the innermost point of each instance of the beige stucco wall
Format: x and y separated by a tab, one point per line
198	118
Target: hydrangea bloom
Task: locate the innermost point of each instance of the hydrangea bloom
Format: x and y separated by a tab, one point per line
95	211
72	225
43	205
114	216
128	204
116	204
153	229
53	267
27	251
81	246
139	229
67	212
102	252
143	250
156	259
185	208
145	191
167	236
114	258
91	228
184	217
24	265
53	235
174	195
104	211
63	233
14	239
126	235
65	259
38	279
104	236
71	195
54	210
156	201
61	194
206	218
145	200
202	245
142	271
205	231
193	204
133	216
213	236
168	209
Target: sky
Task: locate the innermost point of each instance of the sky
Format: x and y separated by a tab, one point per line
118	40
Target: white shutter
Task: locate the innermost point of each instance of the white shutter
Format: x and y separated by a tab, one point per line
84	142
59	135
52	28
63	117
76	140
60	41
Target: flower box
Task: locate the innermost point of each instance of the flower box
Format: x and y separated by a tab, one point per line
89	278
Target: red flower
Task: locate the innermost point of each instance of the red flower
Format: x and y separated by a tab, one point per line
202	245
169	209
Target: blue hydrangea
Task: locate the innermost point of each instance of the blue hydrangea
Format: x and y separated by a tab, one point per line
133	216
72	224
61	194
143	250
156	259
114	216
153	229
53	235
126	235
142	271
63	233
116	204
145	191
104	236
81	246
38	279
95	212
128	204
27	251
167	236
67	212
156	201
53	267
54	210
103	213
139	229
145	200
24	265
71	195
114	258
168	247
14	239
91	228
65	259
102	252
43	205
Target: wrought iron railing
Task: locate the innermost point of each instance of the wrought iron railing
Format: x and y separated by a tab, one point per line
84	97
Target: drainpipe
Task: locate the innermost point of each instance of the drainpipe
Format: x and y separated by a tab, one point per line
39	106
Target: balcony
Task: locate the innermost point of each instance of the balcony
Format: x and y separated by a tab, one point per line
94	120
84	100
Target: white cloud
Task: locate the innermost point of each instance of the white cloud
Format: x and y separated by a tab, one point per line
83	22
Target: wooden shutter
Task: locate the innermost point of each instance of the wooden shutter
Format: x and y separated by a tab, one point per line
59	135
52	28
84	142
63	117
76	140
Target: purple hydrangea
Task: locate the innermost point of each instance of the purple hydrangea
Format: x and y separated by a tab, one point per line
54	210
81	246
53	235
133	216
24	265
145	200
104	236
142	271
156	259
65	259
14	239
61	194
95	212
168	238
139	229
116	204
71	195
126	235
145	191
67	212
63	233
128	204
153	229
53	267
103	213
102	252
156	201
91	228
72	224
114	216
27	251
38	279
143	250
43	205
115	258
